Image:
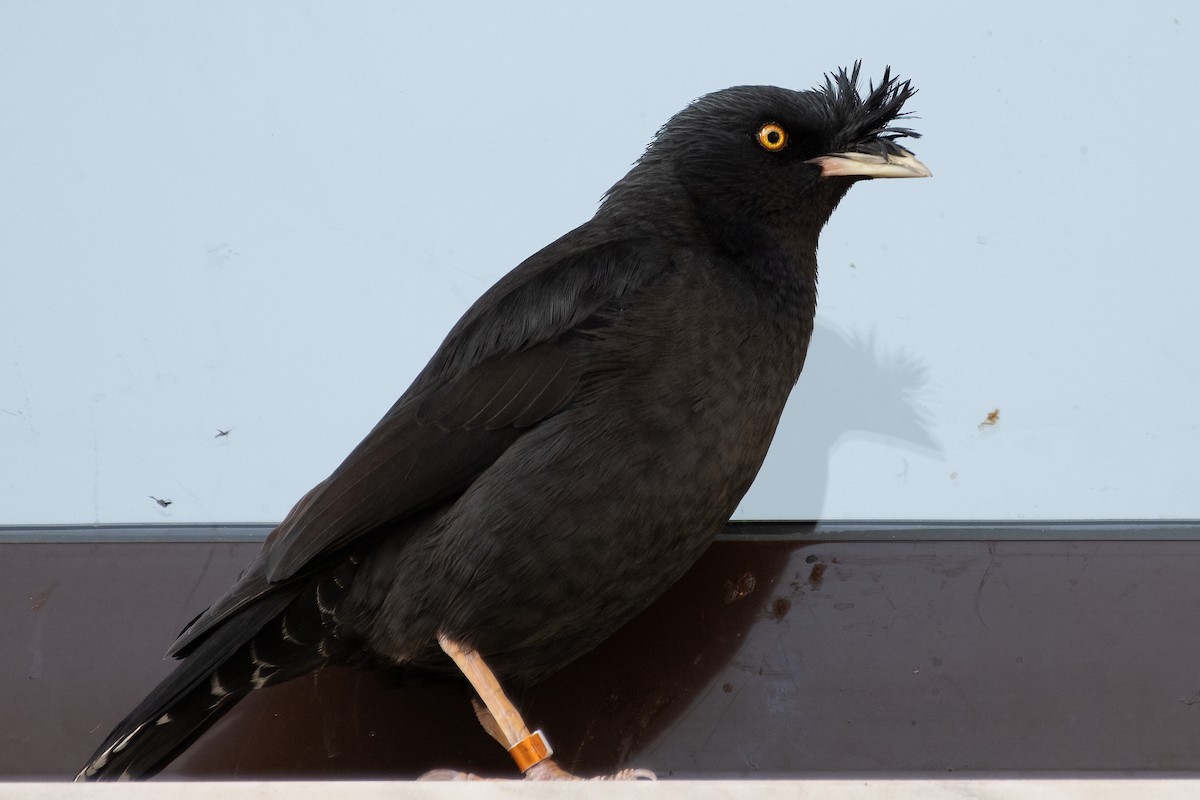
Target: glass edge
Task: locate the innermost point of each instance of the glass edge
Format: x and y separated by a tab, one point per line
736	530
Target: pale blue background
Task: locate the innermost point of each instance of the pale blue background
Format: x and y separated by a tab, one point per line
265	216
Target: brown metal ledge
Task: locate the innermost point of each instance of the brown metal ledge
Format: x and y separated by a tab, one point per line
790	650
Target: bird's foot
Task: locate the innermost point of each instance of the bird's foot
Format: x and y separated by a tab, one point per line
549	770
500	718
546	770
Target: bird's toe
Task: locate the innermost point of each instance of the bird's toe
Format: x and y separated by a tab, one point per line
449	775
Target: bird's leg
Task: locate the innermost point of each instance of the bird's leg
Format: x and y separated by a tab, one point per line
510	728
500	718
487	721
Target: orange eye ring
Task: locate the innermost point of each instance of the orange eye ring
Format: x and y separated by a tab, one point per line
772	137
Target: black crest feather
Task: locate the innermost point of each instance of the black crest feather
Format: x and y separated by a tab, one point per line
870	118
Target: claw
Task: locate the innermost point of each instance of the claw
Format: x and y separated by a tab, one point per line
629	775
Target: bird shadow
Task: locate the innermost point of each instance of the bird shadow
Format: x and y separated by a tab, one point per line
852	388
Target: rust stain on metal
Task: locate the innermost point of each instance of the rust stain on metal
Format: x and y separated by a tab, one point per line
780	607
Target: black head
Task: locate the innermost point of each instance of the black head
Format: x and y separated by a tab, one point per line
762	158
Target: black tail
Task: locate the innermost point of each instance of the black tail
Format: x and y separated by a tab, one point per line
269	642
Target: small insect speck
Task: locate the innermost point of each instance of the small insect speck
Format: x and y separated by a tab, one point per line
991	419
38	602
736	591
161	502
222	434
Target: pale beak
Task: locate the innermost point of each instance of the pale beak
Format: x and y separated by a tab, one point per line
869	165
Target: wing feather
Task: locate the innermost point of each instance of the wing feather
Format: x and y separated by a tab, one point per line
514	359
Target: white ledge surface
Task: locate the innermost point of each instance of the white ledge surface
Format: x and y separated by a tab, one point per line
968	789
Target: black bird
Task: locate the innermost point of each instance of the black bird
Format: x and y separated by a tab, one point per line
574	444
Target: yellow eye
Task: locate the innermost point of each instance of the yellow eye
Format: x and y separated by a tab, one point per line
772	137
